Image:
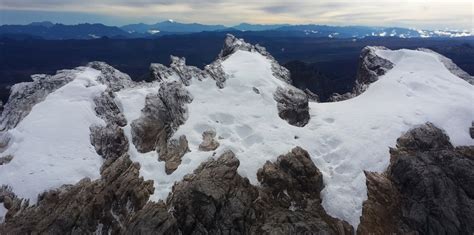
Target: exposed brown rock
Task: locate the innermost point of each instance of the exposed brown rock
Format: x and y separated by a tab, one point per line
427	188
102	205
215	199
209	143
173	152
290	202
162	115
109	141
381	211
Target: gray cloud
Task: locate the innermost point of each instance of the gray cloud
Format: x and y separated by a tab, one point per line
412	13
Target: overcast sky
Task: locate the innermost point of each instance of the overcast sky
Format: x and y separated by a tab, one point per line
426	14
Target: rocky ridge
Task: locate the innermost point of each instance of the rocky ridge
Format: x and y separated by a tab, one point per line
371	67
216	199
427	189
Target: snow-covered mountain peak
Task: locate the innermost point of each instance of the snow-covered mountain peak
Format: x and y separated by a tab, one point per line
243	102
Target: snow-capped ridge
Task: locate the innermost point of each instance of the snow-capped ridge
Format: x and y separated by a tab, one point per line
451	66
371	67
233	44
245	100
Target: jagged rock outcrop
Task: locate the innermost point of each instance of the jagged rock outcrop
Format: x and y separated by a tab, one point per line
214	70
114	79
161	116
107	109
313	97
101	206
335	97
159	72
186	72
109	141
371	67
292	105
290	202
178	67
427	188
172	152
217	73
451	66
381	210
215	199
233	44
23	96
209	143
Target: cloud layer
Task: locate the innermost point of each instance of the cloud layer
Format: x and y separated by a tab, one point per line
407	13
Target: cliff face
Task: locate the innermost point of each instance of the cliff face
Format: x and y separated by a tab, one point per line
427	188
235	148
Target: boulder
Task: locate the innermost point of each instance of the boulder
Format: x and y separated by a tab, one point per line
209	143
292	105
172	153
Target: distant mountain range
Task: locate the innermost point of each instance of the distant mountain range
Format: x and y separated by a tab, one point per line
49	30
170	26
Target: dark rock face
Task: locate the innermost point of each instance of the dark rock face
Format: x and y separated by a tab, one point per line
292	105
434	182
89	206
215	199
290	201
381	211
109	141
184	71
114	79
159	72
172	152
161	116
371	67
107	109
217	73
178	67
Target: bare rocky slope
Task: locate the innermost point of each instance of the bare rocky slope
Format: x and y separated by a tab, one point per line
426	189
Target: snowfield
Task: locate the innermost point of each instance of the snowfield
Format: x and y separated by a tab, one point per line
52	145
343	138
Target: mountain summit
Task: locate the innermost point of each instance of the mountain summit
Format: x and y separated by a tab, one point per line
235	147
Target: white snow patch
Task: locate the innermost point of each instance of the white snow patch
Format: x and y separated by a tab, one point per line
153	31
51	145
93	36
343	138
